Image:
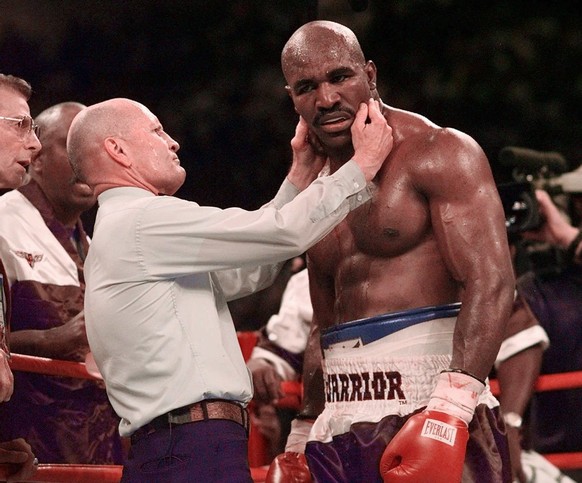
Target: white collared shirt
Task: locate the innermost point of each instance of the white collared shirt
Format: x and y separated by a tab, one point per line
160	272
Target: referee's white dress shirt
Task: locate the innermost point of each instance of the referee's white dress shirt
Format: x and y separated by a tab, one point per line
160	272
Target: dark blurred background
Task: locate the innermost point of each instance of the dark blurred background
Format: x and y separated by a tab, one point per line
505	72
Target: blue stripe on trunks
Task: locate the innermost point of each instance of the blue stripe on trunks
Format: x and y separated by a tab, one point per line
371	329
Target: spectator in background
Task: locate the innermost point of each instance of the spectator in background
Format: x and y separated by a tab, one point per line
18	143
278	355
554	299
43	246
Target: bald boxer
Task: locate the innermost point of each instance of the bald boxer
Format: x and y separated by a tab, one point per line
410	292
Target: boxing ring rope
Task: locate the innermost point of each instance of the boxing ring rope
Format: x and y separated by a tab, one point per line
72	473
555	382
550	382
50	367
64	473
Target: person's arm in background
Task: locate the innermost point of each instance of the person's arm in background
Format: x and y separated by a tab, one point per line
6	376
556	230
20	458
517	368
292	465
279	354
67	341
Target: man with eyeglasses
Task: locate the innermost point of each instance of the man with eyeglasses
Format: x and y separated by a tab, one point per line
18	143
25	124
43	245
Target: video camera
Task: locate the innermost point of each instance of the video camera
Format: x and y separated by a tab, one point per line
533	170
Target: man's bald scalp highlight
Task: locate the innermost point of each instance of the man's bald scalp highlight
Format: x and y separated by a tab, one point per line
92	126
310	36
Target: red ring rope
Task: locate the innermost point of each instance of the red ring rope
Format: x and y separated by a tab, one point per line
293	394
51	367
94	473
550	382
72	473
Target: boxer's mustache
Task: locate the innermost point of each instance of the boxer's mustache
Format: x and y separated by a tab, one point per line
326	112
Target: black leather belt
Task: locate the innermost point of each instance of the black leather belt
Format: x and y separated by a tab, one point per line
200	411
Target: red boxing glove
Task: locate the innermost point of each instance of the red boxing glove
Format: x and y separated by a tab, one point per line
430	448
289	468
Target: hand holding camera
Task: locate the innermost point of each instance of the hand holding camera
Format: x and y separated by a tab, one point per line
532	210
535	171
554	228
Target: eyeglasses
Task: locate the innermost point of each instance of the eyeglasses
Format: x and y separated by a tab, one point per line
25	125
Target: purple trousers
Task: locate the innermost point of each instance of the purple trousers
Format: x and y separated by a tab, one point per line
206	451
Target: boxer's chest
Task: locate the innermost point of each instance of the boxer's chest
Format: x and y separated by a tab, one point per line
389	225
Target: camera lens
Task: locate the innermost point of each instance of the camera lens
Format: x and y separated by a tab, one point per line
520	207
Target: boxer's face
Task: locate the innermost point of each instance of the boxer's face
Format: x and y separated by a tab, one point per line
327	86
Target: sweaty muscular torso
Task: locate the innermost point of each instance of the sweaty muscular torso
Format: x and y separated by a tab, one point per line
384	256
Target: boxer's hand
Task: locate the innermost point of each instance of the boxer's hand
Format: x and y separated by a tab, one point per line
289	467
430	448
431	445
266	421
372	140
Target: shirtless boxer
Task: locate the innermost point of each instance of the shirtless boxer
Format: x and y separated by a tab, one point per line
410	292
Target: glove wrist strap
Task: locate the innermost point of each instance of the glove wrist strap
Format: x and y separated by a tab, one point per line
456	393
297	438
462	371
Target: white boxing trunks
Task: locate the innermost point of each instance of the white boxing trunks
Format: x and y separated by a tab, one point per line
384	365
